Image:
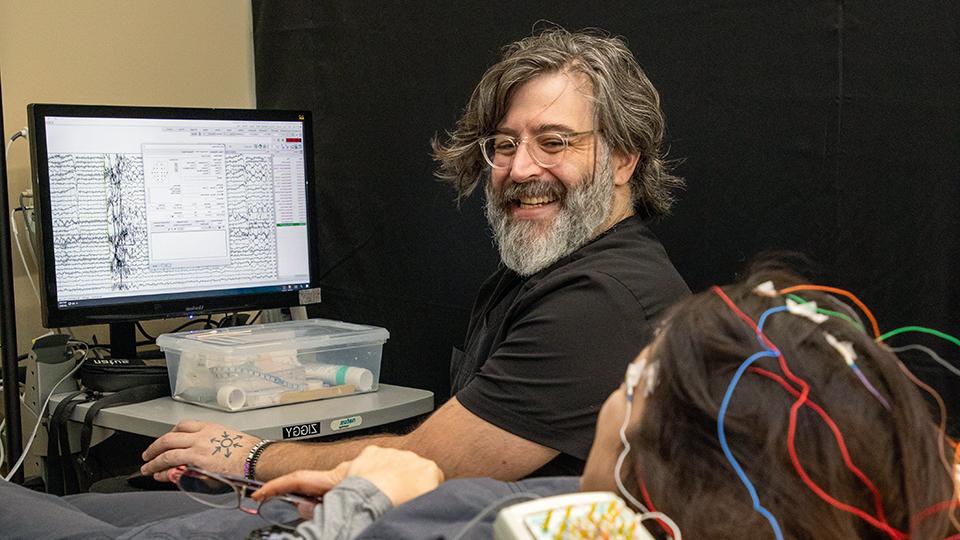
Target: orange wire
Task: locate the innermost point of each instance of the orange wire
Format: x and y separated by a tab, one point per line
956	485
956	463
956	481
853	298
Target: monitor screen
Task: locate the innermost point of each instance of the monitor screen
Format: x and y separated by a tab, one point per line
158	212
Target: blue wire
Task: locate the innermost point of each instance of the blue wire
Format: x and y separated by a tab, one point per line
726	448
766	353
762	320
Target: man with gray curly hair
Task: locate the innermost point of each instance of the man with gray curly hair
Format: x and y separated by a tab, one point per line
565	133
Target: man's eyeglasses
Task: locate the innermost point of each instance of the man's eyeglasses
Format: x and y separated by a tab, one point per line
227	491
546	149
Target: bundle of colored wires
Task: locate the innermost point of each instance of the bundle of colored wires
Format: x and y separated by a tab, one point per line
802	398
952	469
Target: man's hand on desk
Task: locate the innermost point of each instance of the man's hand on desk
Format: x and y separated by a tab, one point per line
209	446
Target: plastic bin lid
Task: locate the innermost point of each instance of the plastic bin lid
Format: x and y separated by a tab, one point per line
308	334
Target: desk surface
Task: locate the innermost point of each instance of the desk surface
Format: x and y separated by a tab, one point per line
295	421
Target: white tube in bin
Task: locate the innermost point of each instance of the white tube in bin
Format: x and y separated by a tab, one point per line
231	398
335	375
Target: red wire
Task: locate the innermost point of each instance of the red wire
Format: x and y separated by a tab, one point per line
877	498
939	507
863	307
876	333
647	501
792	429
743	316
646	496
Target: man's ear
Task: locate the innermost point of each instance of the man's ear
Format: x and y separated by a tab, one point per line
623	167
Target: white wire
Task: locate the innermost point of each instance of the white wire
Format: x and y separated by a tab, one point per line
33	434
12	138
13	225
26	224
674	530
645	514
491	507
16	236
23	259
623	455
23	405
3	455
947	365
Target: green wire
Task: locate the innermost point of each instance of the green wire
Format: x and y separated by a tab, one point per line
884	337
921	329
836	314
797	299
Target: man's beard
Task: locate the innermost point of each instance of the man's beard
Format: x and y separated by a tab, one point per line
528	246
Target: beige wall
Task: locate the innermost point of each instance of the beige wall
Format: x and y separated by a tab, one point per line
133	52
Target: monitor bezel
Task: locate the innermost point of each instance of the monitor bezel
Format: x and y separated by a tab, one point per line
200	303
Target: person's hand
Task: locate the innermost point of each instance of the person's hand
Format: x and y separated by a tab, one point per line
303	482
208	446
401	475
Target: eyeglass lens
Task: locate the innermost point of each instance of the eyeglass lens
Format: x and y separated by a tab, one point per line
208	490
546	149
221	493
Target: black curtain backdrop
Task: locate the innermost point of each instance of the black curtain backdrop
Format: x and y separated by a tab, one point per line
827	127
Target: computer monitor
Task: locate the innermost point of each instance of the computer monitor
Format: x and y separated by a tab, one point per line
148	212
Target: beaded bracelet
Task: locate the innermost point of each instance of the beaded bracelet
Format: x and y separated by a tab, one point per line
250	465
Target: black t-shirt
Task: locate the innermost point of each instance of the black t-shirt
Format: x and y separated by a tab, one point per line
542	353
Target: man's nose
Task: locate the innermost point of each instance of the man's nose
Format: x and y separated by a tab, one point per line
523	167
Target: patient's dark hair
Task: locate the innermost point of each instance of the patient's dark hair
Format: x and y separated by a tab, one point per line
679	460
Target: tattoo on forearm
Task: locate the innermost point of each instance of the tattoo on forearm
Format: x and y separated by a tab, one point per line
225	443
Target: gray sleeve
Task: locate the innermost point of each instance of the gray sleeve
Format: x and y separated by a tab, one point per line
448	511
346	511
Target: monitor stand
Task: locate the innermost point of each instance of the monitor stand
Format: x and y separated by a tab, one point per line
123	340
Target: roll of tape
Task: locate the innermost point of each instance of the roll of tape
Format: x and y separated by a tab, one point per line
231	398
335	375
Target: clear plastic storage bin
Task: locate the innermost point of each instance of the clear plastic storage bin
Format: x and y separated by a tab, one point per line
249	367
